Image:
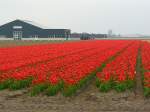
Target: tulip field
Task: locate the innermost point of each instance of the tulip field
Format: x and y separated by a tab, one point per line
146	67
121	70
67	67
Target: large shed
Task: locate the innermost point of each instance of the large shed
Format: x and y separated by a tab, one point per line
19	29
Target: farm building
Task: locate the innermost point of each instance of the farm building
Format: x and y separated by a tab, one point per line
19	29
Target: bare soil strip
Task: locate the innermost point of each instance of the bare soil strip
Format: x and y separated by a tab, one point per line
13	43
138	78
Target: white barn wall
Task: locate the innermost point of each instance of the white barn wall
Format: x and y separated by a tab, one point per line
4	38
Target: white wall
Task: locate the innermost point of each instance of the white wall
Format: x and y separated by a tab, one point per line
3	38
43	39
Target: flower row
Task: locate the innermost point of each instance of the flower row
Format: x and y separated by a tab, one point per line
120	73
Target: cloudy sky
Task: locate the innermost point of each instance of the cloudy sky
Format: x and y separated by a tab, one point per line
98	16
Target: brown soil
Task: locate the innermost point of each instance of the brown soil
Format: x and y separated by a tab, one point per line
89	100
138	83
9	43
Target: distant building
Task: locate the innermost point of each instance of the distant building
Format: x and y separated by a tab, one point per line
19	29
88	35
110	33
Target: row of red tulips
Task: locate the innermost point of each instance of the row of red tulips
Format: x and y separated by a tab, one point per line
120	73
146	67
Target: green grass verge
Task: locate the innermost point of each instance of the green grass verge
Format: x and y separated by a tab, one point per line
123	86
20	84
69	90
146	92
54	89
37	89
46	88
13	84
104	86
119	87
145	89
5	84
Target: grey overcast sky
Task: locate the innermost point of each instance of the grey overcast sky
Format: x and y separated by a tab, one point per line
122	16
